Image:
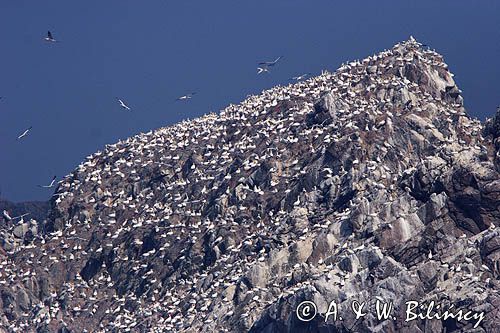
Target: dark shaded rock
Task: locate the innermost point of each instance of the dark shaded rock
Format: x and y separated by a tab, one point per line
91	268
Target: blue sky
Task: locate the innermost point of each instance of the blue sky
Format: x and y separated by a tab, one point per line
151	52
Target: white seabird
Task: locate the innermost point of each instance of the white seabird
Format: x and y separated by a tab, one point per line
123	105
186	97
23	134
262	69
270	63
300	77
7	216
52	182
49	37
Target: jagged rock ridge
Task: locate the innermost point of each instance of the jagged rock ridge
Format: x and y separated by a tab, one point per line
368	182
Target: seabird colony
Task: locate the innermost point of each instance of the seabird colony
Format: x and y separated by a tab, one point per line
172	224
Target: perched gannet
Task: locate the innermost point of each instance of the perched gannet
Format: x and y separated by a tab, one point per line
6	215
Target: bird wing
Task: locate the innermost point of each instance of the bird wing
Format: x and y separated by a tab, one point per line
124	105
270	63
23	134
20	216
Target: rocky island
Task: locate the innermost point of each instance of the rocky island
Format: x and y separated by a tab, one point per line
368	184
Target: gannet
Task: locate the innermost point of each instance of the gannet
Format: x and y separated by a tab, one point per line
300	77
262	69
52	182
25	133
186	97
7	216
270	63
49	37
123	105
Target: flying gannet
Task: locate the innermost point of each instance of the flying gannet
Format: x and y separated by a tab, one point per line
300	77
52	183
49	37
25	133
270	63
7	216
123	105
262	69
186	97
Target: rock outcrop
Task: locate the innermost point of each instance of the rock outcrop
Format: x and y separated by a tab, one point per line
23	230
368	183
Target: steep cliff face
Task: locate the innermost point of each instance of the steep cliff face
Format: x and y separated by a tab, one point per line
371	182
